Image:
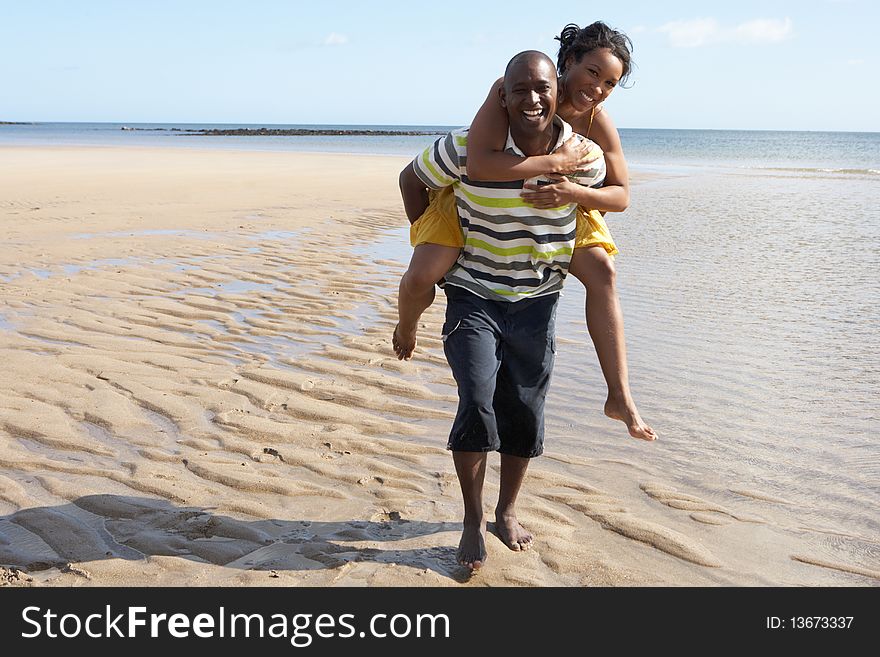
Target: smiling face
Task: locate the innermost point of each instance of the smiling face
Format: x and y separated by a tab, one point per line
529	94
591	80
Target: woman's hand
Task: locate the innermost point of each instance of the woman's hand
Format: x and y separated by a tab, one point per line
573	155
561	192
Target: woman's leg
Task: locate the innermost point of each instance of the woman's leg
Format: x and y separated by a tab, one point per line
593	267
428	265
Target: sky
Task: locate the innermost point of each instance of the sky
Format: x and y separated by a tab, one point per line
748	65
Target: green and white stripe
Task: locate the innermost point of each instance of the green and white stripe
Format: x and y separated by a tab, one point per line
512	250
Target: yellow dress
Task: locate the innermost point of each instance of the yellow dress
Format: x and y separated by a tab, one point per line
439	224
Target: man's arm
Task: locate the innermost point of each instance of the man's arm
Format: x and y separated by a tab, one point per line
414	193
437	167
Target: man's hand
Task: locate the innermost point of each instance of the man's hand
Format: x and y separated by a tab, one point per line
561	192
574	154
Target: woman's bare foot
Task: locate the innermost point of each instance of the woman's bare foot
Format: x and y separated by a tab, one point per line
404	343
512	534
472	547
629	415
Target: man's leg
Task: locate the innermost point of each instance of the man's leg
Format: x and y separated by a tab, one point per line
470	340
513	472
521	390
471	470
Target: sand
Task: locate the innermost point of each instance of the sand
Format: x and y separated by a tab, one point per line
199	390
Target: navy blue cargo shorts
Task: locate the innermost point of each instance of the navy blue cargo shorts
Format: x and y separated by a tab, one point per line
501	355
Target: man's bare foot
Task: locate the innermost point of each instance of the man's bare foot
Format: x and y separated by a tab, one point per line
404	343
472	547
627	413
512	534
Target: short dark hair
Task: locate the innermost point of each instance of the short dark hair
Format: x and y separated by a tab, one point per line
525	55
576	42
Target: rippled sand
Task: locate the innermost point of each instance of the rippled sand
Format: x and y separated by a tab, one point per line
200	390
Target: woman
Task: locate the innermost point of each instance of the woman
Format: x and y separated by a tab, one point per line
591	63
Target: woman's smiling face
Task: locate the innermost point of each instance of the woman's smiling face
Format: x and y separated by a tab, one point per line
591	80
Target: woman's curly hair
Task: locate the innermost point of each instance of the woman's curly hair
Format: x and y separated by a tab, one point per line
576	42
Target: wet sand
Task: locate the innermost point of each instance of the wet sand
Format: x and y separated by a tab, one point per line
200	390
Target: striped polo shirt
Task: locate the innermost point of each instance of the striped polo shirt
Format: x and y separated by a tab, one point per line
512	251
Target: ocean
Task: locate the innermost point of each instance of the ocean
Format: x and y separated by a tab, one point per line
845	153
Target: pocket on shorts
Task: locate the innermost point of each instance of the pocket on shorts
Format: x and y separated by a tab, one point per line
447	331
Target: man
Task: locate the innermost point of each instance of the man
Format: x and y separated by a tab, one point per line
502	295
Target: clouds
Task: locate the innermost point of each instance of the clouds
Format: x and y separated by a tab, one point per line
335	39
763	30
699	32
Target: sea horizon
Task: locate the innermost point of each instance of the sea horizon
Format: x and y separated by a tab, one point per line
653	149
396	125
